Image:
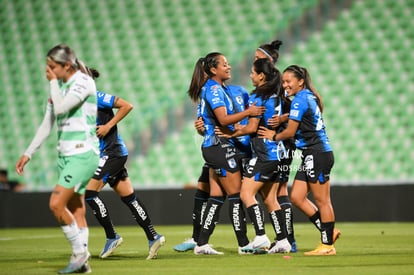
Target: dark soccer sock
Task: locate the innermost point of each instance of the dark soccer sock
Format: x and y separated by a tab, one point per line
286	206
238	219
200	203
210	219
316	220
277	218
256	216
327	232
101	213
140	214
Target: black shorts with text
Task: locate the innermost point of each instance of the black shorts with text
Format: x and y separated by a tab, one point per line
111	170
315	166
223	157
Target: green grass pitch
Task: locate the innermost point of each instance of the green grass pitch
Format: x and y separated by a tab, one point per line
363	248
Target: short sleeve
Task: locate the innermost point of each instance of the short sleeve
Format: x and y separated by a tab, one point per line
215	97
298	107
105	100
259	102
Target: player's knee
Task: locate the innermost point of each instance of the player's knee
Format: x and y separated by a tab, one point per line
56	206
295	199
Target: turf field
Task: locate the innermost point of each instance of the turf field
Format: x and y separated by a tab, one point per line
364	248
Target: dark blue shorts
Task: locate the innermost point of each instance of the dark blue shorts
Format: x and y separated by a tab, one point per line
315	166
263	171
111	170
223	157
204	177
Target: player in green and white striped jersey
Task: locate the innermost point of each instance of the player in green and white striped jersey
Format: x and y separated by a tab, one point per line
73	105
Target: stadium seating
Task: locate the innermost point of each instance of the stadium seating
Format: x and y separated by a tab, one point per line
362	73
146	51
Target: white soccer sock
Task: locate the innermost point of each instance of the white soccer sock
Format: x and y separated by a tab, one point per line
71	232
84	236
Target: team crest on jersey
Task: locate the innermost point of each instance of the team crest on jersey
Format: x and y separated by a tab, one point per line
239	99
232	163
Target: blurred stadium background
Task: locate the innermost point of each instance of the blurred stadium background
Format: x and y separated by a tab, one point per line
359	53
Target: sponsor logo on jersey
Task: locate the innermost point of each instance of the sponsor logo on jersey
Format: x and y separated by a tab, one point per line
294	113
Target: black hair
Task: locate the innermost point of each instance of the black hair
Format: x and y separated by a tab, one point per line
302	73
271	49
272	77
202	71
92	72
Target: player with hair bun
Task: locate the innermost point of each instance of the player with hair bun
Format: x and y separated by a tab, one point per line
307	126
271	51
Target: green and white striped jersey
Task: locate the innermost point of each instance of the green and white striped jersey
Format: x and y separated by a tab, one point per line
77	127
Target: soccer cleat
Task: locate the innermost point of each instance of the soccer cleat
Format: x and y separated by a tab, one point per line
248	249
259	245
75	263
110	246
186	245
206	250
322	250
154	246
245	250
86	268
336	234
294	248
282	246
260	242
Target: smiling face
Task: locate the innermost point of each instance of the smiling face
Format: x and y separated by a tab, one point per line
291	84
222	71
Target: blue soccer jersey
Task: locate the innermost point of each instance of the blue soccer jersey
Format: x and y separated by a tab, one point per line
112	144
311	133
213	96
264	148
240	98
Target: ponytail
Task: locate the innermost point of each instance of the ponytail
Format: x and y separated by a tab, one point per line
309	85
197	81
202	71
81	66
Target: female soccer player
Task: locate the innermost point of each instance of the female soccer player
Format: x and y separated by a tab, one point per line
221	154
72	104
111	170
271	52
307	126
261	171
